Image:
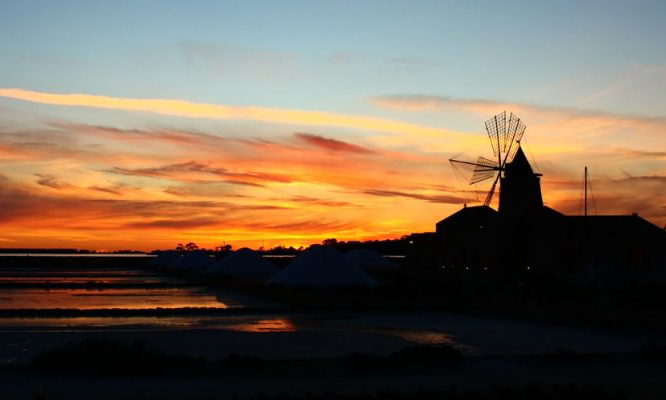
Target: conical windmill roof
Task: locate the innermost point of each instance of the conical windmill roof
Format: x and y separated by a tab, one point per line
519	164
322	267
369	260
197	259
243	263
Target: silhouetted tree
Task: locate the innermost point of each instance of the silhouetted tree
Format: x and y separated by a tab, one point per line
330	242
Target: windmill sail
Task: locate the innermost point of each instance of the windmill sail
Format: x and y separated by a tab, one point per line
514	135
496	128
485	169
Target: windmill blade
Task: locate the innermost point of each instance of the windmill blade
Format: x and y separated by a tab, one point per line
470	196
489	197
481	176
485	169
496	128
514	136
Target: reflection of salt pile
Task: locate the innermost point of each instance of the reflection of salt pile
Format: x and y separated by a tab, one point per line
193	260
243	263
322	266
369	260
165	259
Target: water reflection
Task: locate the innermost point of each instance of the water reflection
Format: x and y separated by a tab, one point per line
87	299
104	287
422	337
265	325
252	324
44	276
429	338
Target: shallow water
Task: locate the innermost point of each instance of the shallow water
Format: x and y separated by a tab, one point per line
105	288
88	299
253	323
473	334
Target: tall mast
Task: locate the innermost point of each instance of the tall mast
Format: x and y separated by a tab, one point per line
586	190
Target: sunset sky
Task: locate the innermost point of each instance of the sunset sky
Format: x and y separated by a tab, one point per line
142	124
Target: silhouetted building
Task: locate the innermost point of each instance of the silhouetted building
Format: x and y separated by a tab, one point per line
523	233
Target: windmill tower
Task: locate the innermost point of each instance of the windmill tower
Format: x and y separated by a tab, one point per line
520	189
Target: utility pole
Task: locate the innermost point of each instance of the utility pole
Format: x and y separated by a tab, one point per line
586	190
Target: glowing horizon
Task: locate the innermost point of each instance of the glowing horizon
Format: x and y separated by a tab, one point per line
181	128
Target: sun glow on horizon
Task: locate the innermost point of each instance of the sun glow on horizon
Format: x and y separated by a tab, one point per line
296	190
317	124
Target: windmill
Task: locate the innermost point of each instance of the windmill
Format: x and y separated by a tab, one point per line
505	141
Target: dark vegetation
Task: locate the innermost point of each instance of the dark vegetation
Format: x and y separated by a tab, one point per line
569	357
385	247
412	358
653	353
136	359
495	392
97	356
647	354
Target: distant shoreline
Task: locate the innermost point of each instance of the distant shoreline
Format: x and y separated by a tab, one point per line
37	254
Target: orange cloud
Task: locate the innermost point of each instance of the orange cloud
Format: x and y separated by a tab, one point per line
81	185
182	108
331	144
202	172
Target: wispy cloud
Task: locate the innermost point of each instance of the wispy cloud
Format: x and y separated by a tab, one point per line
197	172
316	201
178	137
182	108
225	59
114	191
447	199
550	129
203	189
51	181
175	224
331	144
490	107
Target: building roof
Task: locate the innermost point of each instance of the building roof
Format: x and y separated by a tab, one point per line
475	213
625	223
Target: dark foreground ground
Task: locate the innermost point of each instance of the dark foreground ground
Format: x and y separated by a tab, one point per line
104	368
351	344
